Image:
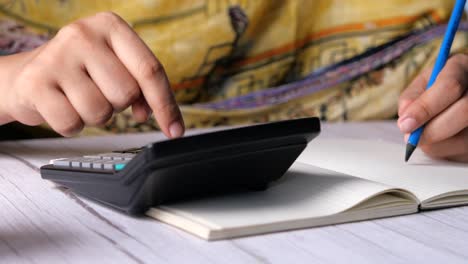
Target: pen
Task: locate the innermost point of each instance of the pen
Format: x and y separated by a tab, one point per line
439	64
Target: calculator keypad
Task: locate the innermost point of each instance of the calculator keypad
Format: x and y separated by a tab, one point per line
104	161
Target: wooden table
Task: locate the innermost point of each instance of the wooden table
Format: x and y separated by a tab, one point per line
40	223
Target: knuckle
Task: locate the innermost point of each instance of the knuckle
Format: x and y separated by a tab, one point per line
73	126
454	86
167	108
149	69
111	19
108	16
131	94
459	58
126	97
101	116
76	32
424	109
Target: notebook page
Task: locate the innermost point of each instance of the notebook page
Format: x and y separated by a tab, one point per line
305	192
383	162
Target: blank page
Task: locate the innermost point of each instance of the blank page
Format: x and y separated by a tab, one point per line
306	196
383	162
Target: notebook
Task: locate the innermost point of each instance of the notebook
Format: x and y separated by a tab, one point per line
332	181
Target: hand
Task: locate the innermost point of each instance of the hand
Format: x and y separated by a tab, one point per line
92	68
444	107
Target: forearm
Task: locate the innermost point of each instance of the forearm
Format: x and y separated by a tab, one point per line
5	77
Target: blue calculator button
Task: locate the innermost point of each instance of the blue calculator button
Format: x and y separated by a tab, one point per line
119	166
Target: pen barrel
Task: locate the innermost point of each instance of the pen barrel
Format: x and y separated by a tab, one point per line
415	136
442	57
446	45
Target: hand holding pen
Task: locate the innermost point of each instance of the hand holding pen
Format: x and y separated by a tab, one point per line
438	118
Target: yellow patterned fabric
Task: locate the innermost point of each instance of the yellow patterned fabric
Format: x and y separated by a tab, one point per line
219	49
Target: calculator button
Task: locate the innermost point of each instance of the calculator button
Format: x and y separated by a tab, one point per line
111	156
109	165
104	155
61	162
103	161
127	156
92	157
86	164
120	166
75	164
96	165
123	156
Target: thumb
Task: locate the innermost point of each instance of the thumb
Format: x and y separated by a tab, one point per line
413	91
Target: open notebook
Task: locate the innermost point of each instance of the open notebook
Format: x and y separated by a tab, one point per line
333	181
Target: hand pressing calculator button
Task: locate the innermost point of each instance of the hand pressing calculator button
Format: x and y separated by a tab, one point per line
239	159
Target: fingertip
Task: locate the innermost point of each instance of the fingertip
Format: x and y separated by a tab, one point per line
169	117
407	124
176	129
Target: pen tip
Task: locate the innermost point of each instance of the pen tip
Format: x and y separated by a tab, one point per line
409	151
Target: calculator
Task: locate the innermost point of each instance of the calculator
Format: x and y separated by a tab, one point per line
233	160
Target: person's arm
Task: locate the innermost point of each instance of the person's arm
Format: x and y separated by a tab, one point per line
92	68
445	106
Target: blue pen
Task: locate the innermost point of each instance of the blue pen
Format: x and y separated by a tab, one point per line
442	57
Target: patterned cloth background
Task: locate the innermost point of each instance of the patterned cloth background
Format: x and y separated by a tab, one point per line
245	61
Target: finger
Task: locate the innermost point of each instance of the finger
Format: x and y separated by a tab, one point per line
59	114
451	147
112	77
5	119
406	137
414	90
147	70
448	88
141	110
448	123
86	98
28	117
459	158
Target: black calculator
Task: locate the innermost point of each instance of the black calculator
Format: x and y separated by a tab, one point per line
215	163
